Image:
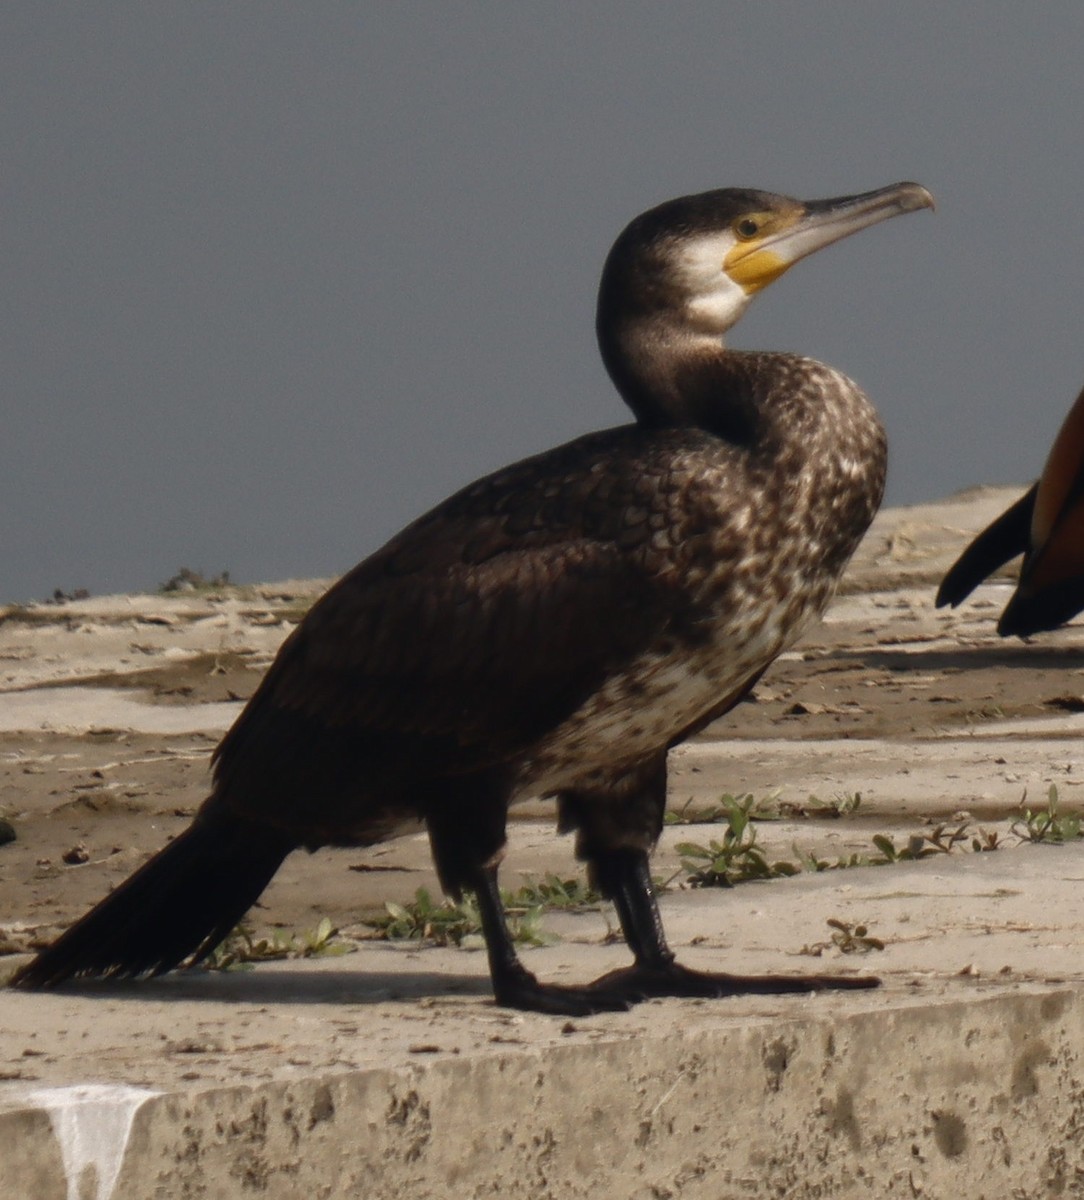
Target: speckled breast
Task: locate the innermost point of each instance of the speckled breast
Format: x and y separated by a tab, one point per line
760	538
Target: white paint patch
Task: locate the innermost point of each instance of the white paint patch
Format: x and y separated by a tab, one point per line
92	1123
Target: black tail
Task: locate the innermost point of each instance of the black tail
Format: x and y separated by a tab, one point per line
180	904
1000	541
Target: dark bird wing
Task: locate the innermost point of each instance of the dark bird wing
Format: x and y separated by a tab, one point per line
466	638
1046	525
1051	587
1001	541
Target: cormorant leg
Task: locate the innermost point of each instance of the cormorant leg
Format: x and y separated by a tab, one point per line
513	985
623	876
467	833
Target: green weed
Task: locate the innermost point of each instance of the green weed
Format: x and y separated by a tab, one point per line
687	815
769	808
552	892
843	804
240	948
737	857
940	840
451	923
1048	826
847	938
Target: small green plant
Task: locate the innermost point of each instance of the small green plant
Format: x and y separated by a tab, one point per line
853	939
734	859
769	808
886	844
941	839
552	892
451	923
985	840
688	815
737	857
240	948
810	862
847	938
1048	826
842	804
444	923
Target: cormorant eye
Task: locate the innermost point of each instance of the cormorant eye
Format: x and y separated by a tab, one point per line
747	227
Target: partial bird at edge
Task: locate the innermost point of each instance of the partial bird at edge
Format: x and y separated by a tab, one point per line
1046	526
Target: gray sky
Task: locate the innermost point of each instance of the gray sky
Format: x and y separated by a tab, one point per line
278	277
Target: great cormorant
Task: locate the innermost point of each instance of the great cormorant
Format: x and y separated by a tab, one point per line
554	628
1046	525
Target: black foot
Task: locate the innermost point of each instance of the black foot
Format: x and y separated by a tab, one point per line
522	990
637	983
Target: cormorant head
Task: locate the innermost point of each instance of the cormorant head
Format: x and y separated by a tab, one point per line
699	260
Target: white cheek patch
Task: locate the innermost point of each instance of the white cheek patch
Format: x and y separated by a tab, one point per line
700	259
715	301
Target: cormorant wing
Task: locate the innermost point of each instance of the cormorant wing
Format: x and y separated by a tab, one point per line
479	628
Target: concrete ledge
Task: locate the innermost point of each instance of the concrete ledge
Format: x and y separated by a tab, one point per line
390	1073
978	1098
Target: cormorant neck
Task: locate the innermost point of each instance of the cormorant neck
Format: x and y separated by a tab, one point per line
672	375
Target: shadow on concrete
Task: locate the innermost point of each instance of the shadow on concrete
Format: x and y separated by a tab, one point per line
274	985
1008	656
